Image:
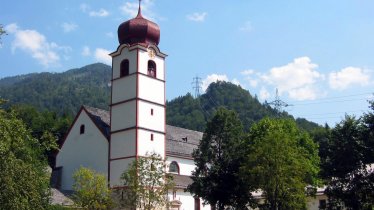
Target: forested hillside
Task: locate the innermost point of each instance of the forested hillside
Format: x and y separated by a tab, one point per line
62	93
65	92
193	113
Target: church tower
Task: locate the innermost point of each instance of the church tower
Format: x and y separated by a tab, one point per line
137	111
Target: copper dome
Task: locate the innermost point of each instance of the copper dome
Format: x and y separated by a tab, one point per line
138	31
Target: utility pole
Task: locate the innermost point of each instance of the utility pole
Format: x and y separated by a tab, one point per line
278	104
196	85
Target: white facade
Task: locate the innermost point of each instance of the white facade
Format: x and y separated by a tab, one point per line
88	149
137	126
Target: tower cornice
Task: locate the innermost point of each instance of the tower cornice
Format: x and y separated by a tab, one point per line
140	47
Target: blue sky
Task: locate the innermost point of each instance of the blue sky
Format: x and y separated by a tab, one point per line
319	54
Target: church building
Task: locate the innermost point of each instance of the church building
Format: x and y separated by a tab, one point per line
108	141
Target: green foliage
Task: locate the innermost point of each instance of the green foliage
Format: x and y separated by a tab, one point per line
62	93
350	153
2	31
46	126
147	184
24	181
218	157
281	161
190	113
91	190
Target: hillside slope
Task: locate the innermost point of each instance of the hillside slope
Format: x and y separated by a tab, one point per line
63	92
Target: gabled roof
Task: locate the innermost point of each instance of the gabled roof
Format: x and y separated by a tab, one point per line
180	142
181	181
101	118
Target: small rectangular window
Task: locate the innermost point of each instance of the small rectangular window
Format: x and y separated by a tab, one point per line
152	112
322	204
152	137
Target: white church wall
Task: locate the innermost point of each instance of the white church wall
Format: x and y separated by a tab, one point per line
313	202
123	116
126	54
124	89
187	200
151	89
155	121
117	167
186	166
88	150
146	145
123	144
143	64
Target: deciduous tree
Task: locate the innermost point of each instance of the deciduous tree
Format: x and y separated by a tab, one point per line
282	162
146	184
24	181
218	159
91	190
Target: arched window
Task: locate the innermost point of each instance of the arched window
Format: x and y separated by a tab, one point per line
82	129
124	71
174	167
151	68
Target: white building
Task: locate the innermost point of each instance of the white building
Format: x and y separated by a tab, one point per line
107	141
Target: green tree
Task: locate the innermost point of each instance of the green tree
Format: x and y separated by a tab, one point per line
218	158
91	190
282	162
24	181
146	184
350	179
2	31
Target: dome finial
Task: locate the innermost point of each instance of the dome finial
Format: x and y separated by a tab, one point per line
139	9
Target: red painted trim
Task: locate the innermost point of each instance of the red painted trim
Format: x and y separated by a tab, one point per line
137	96
165	108
138	128
71	127
122	158
139	99
138	73
110	124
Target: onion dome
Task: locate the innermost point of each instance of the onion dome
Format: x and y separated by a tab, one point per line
139	31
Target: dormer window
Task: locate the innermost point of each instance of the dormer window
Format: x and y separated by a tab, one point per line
124	70
152	68
82	129
174	167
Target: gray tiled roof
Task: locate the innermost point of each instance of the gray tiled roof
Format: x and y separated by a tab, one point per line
181	181
101	118
180	142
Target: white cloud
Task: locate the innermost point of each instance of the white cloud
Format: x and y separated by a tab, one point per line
100	13
197	17
264	94
213	78
348	76
297	78
87	9
236	82
36	44
130	9
11	28
86	51
247	72
253	83
102	55
247	26
68	27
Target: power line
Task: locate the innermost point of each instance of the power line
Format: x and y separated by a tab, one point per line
196	85
278	103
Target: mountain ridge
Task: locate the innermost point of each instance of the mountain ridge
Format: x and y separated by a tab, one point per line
65	92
